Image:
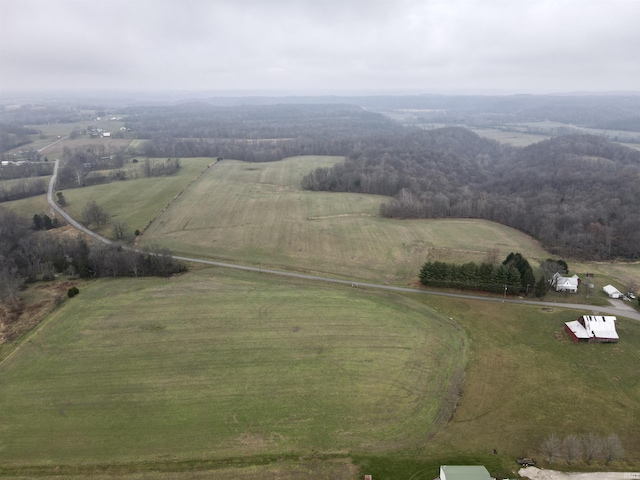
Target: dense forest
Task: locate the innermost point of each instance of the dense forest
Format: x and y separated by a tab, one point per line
254	133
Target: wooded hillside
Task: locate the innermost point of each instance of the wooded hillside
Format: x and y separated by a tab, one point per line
578	194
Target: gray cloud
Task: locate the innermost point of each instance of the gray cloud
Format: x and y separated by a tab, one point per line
330	46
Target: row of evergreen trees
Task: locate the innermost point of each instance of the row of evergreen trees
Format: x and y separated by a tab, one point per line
513	276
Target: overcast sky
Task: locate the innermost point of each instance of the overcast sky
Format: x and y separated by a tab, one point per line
321	46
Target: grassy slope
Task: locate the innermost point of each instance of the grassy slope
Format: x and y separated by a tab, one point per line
214	364
525	381
528	380
255	213
135	202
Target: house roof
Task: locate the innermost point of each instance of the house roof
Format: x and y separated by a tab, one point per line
566	281
578	330
465	472
594	327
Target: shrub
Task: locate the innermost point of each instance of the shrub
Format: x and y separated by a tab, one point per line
72	292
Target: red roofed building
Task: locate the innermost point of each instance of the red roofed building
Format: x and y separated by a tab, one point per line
593	329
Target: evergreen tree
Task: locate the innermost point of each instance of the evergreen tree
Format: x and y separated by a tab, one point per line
37	222
541	287
46	222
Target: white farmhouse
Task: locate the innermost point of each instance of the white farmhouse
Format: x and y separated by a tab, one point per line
565	284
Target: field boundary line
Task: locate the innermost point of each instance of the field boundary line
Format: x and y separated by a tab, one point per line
191	182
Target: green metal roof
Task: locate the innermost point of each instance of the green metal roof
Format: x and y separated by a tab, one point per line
465	472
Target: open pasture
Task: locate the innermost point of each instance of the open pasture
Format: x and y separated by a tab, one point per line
55	151
528	380
28	207
256	213
135	202
517	139
217	364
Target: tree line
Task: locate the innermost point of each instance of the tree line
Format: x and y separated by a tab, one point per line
587	447
513	276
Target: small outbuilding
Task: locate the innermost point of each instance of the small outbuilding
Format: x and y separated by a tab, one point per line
593	329
464	472
565	284
612	291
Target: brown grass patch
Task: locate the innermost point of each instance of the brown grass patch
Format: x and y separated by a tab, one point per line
18	316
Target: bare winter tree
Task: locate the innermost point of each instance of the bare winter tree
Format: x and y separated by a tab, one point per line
120	230
612	448
591	447
492	255
572	448
93	213
551	448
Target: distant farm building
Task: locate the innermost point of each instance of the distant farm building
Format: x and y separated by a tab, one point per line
464	472
593	329
106	134
612	291
565	284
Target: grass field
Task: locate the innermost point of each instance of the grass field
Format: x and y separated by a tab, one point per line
517	139
135	202
256	213
28	207
211	364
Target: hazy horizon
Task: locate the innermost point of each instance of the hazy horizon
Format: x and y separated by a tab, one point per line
310	48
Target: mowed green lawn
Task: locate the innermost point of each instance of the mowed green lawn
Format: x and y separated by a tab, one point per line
215	364
257	214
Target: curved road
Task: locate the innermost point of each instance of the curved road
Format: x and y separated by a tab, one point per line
622	312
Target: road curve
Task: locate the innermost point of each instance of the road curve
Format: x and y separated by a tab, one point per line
352	283
64	214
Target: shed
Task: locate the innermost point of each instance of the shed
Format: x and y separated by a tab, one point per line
612	291
464	472
593	329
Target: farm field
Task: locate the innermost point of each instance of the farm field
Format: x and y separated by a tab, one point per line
216	364
528	380
135	202
517	139
55	151
28	207
257	214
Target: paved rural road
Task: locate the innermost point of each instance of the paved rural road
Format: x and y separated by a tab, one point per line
352	283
